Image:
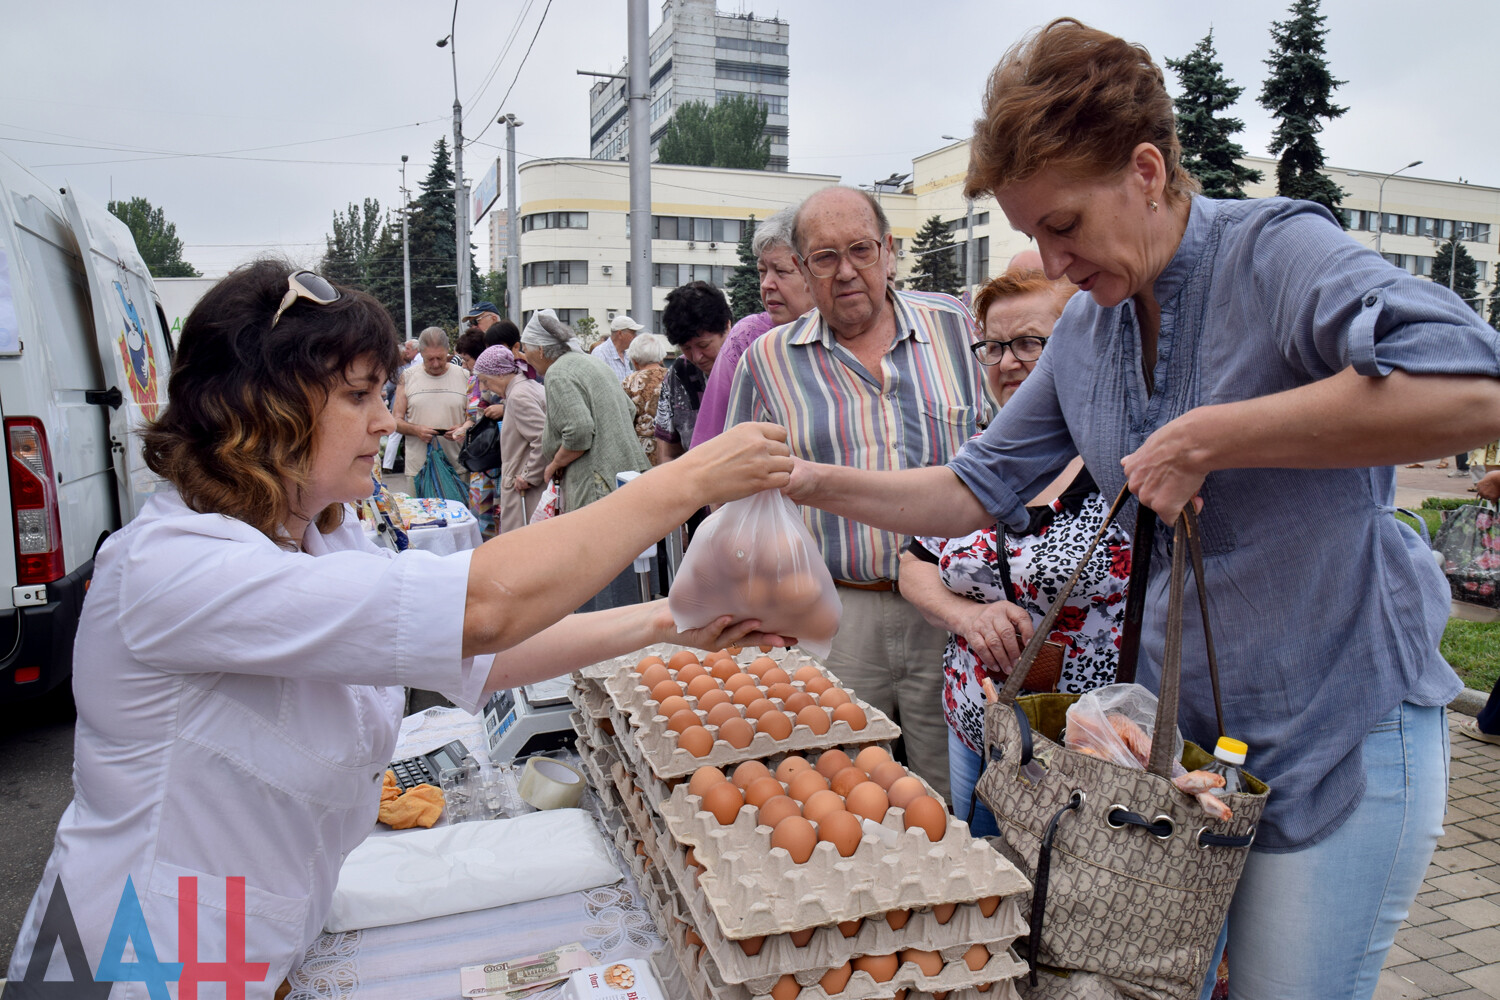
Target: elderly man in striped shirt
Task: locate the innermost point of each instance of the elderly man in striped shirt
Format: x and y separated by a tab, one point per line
883	380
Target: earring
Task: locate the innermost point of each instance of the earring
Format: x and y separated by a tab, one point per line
1152	204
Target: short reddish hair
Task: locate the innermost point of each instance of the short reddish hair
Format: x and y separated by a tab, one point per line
1075	99
1013	284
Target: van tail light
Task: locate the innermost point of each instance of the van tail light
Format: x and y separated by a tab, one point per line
33	500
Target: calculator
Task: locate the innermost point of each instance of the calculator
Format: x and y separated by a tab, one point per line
425	768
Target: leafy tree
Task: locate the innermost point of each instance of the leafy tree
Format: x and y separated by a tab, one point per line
155	238
936	269
588	331
1298	93
350	251
1495	303
1209	152
743	283
434	247
491	287
730	133
1453	262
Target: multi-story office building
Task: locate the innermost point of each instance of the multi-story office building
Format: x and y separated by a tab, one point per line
699	54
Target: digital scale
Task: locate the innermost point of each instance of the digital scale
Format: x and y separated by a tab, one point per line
527	720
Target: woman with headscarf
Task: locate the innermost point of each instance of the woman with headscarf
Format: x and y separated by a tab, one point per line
522	459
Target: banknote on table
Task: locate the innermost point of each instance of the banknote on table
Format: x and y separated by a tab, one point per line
521	977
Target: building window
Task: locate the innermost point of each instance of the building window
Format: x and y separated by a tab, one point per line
666	70
750	45
571	316
664	275
704	230
661	105
725	69
1409	225
773	103
660	51
555	272
555	220
961	224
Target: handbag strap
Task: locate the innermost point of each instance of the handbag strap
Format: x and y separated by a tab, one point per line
1142	543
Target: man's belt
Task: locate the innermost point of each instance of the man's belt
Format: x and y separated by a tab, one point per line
880	586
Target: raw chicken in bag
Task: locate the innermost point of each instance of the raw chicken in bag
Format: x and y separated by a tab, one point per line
754	558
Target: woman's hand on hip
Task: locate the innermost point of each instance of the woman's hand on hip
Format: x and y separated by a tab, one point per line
1163	472
745	459
996	633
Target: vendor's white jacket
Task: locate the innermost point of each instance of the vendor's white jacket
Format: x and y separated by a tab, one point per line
232	721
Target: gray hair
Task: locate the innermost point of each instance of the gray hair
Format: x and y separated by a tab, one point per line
553	351
775	231
881	222
647	349
433	336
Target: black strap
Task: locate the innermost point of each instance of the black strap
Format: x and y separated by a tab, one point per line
1023	726
1039	893
1207	839
1142	544
1160	827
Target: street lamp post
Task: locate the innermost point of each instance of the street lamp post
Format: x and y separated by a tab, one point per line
405	248
512	224
1380	203
460	201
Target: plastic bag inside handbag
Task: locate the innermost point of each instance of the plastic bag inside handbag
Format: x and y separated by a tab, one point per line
754	558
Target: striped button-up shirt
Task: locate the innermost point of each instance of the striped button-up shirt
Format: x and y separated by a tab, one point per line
919	412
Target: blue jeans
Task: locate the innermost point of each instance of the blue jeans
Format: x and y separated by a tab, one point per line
964	768
1318	922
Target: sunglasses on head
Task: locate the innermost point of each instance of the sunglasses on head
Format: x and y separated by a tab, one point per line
305	285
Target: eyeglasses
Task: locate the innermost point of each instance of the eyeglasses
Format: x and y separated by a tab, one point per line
992	352
861	254
305	285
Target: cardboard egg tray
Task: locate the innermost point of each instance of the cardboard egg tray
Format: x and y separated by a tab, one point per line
589	697
658	744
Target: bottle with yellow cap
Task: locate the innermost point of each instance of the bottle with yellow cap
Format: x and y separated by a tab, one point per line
1229	757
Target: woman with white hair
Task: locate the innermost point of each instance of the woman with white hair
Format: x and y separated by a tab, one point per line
643	386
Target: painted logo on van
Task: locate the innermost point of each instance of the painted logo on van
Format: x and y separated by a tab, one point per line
140	362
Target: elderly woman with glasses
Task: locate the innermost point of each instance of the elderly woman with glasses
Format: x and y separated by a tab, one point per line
987	588
240	656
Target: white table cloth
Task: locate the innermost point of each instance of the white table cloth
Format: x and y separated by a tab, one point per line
459	534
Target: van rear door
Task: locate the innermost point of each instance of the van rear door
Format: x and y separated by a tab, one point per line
132	344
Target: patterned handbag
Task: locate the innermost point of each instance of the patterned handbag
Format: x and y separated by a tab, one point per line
1132	880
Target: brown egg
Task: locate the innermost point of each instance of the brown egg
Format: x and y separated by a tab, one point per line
847	780
691	858
715	696
832	762
796	836
849	928
724	802
887	774
798	701
834	697
897	918
880	967
806	673
852	716
720	714
748	772
987	905
737	680
746	694
736	732
804	783
700	686
734	650
977	957
761	664
842	830
724	669
786	988
646	661
777	725
781	692
775	676
817	685
654	675
814	718
930	962
716	656
903	790
775	809
606	727
692	938
800	938
758	707
696	741
867	800
765	649
791	765
943	912
680	720
927	813
834	980
869	758
666	689
671	705
762	790
704	778
682	658
751	945
821	803
690	673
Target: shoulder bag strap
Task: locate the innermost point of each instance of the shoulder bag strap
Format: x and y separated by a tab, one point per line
1142	545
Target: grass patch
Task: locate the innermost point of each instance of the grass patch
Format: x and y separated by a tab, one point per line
1434	519
1473	648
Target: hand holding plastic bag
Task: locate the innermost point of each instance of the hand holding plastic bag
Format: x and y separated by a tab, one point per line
754	558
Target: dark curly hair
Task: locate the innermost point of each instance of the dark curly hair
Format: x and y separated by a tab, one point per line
236	437
693	309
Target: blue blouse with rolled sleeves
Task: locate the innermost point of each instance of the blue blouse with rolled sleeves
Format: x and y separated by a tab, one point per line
1326	610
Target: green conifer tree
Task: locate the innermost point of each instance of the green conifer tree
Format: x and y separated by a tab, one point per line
743	284
1298	93
936	268
1452	260
1209	151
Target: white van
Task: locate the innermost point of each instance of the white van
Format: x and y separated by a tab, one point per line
84	362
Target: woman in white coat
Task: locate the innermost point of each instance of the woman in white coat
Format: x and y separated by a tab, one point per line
241	651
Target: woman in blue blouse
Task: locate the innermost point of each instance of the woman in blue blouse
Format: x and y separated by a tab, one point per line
1251	357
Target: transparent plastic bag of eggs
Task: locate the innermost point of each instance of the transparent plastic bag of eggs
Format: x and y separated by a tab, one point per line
754	558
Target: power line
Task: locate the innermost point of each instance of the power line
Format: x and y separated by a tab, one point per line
513	79
515	29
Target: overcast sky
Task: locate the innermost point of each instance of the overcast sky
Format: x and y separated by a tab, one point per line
310	105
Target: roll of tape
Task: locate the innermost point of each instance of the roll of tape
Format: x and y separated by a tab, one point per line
551	784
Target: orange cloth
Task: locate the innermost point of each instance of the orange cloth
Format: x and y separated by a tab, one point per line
420	805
